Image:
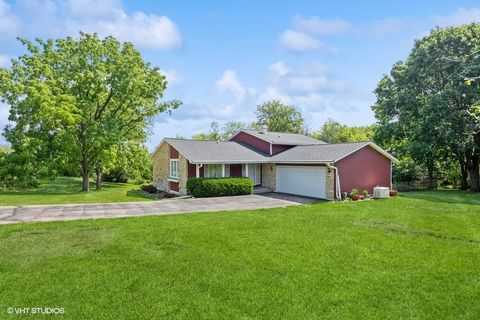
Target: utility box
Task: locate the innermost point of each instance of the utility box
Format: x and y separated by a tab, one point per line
381	192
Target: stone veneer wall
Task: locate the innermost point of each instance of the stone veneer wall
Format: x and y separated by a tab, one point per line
182	174
330	184
160	161
269	176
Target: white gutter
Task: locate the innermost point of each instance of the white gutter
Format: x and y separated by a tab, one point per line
337	181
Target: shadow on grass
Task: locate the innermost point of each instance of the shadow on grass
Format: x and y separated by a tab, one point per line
445	196
140	195
61	186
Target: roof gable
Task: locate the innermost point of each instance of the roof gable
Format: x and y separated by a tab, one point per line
282	138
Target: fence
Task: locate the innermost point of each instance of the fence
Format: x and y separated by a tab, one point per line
416	185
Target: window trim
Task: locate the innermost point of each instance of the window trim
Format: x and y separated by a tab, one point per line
171	170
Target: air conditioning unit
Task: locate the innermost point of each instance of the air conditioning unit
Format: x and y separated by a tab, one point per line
381	192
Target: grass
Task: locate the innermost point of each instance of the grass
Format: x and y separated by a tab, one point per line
414	256
68	190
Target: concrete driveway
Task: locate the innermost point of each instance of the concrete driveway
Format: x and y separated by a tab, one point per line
16	214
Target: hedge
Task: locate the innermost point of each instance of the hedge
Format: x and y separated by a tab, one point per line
217	187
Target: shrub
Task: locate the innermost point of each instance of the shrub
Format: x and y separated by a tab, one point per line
217	187
150	188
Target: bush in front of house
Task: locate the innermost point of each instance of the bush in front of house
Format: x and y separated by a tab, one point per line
217	187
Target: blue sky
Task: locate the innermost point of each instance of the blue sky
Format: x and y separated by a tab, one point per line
224	58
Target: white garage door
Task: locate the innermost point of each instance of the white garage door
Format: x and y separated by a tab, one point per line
302	180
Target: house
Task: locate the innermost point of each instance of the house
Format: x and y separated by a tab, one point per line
281	162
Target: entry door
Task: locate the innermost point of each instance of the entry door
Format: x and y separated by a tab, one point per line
302	180
254	173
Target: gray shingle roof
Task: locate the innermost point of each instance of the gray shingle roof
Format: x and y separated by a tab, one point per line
235	152
216	151
318	153
283	138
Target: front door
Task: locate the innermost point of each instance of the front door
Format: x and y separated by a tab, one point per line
254	173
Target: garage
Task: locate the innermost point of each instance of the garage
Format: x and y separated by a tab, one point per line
306	181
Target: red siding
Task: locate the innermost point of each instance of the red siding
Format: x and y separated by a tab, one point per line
363	170
277	148
174	186
235	170
192	170
173	153
252	141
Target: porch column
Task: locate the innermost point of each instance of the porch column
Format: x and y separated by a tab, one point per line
223	170
246	169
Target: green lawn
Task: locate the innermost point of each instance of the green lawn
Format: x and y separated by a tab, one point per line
68	190
411	257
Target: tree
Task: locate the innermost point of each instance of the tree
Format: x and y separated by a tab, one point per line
334	132
280	117
426	102
130	161
77	99
218	133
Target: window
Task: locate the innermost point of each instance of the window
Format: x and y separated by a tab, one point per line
215	171
173	169
254	172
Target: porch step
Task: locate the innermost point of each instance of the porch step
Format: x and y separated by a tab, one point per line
259	190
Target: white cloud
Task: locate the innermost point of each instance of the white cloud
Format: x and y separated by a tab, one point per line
174	77
147	31
230	83
308	78
459	17
8	22
57	18
279	68
316	25
299	41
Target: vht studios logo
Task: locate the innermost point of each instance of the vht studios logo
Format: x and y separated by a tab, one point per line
35	310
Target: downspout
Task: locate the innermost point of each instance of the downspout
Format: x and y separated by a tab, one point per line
337	181
197	170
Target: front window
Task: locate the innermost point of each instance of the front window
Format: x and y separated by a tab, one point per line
173	169
215	171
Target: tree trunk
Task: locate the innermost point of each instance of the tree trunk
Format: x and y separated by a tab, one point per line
473	165
473	171
463	177
474	178
98	173
85	174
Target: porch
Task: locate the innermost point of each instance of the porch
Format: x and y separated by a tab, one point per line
223	170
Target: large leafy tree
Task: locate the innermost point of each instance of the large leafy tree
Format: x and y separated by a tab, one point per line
221	133
425	108
334	132
77	99
280	117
